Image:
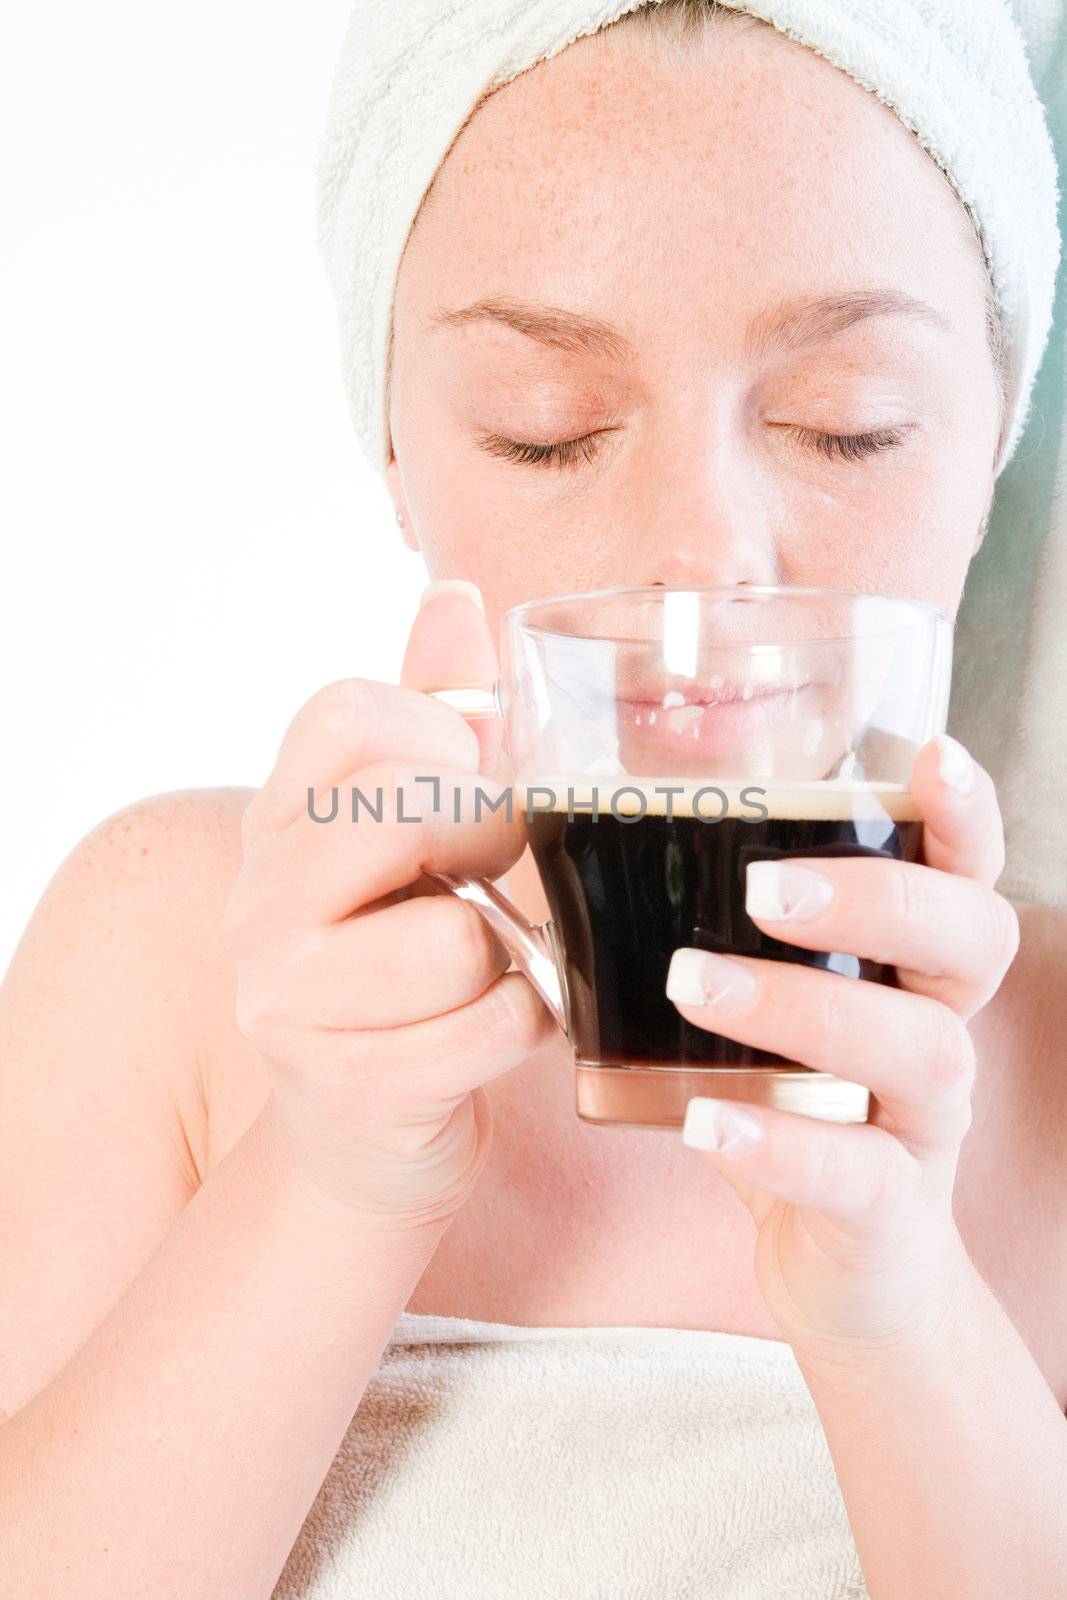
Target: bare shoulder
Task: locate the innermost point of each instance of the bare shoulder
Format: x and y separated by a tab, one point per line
187	848
167	848
1011	1189
114	1061
139	902
1036	987
1040	997
1021	1035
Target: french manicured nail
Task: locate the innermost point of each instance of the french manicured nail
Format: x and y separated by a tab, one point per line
717	1125
956	767
783	892
698	978
458	585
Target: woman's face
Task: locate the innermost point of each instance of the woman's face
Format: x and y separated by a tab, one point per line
716	213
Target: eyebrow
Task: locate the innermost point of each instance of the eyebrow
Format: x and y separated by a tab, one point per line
790	325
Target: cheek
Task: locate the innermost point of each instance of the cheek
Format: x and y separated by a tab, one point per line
498	525
910	531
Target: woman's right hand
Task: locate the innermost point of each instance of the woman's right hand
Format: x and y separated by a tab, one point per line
379	1002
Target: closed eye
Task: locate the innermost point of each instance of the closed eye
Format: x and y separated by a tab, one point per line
569	452
848	446
572	452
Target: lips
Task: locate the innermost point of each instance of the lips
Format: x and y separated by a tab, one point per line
717	691
715	682
705	722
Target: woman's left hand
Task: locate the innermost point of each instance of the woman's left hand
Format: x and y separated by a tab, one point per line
857	1248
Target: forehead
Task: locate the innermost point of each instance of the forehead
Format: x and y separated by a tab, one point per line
619	174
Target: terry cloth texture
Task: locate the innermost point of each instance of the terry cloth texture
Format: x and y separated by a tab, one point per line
494	1462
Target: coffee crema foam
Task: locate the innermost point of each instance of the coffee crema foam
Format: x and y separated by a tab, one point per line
799	799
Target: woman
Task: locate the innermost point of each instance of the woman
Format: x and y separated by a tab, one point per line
265	1091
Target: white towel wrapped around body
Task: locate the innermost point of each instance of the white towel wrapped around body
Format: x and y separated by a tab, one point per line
493	1462
958	74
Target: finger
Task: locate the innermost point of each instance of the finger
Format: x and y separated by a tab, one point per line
952	938
405	962
451	647
419	1065
963	832
913	1053
855	1173
462	1048
346	725
394	821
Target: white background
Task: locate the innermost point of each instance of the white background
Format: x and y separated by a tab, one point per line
192	540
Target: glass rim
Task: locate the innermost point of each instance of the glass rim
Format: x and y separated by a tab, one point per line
514	614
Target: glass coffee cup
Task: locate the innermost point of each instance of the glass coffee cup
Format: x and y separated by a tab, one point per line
659	740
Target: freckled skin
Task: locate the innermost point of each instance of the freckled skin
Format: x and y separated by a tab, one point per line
675	193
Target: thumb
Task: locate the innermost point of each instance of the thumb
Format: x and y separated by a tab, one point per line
451	647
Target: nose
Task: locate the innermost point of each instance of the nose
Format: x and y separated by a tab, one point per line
709	515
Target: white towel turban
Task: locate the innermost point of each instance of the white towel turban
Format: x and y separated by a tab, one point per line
957	73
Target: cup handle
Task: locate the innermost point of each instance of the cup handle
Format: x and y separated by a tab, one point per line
534	947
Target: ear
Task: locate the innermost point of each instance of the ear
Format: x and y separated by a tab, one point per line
396	490
983	529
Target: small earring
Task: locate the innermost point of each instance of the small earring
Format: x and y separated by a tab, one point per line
400	518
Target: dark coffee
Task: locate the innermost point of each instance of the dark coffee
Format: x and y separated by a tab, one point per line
626	890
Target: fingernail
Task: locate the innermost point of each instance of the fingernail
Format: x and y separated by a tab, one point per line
956	767
698	978
786	893
716	1125
458	585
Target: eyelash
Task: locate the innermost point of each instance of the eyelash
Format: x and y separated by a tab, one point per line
850	446
835	446
564	454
